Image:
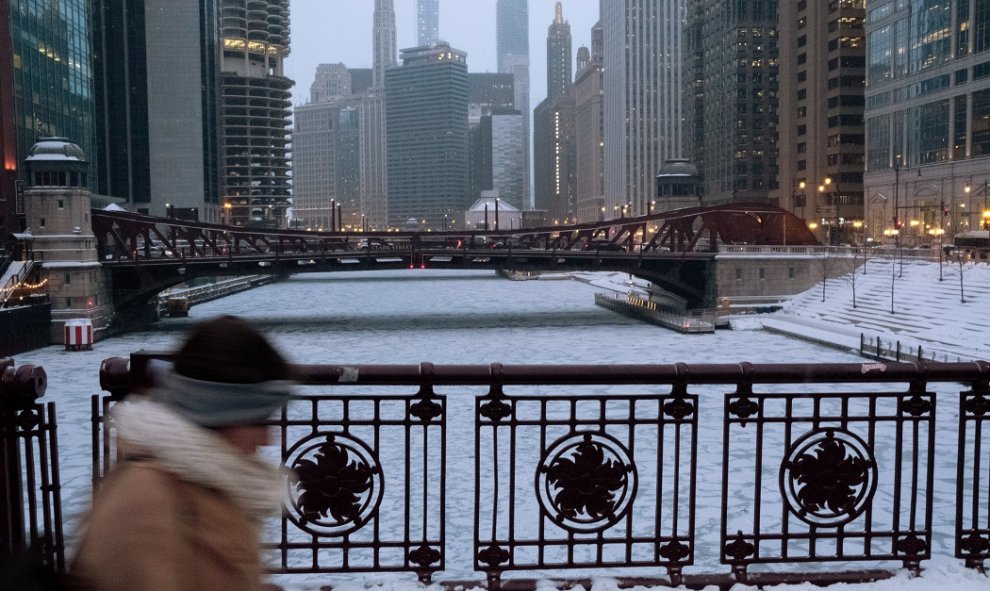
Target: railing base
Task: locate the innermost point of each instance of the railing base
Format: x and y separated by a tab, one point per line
723	581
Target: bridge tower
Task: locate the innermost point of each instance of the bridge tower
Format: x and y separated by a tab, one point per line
59	236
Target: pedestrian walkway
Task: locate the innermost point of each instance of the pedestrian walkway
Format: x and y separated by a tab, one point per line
897	302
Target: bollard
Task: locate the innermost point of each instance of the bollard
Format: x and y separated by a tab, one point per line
19	389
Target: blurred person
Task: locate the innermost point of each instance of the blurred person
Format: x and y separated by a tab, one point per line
182	509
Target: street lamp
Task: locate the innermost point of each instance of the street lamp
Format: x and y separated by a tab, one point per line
227	207
798	200
822	188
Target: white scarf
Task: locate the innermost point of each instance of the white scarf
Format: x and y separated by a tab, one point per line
200	456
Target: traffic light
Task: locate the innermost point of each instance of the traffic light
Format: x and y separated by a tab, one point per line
897	223
818	209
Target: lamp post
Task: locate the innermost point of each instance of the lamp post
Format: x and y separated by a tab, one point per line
798	200
333	215
822	192
496	213
227	207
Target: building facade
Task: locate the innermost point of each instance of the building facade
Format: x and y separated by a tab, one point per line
372	133
738	147
46	88
512	52
427	22
559	71
427	135
589	131
643	102
497	157
927	120
157	89
821	130
256	103
555	159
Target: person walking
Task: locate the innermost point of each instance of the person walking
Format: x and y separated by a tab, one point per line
182	508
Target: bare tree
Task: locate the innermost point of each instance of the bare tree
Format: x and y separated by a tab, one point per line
828	265
961	259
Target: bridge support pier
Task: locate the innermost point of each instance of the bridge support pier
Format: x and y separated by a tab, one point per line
59	237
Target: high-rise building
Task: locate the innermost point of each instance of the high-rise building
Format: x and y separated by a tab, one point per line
45	86
643	106
373	141
326	159
156	89
738	148
821	145
326	165
512	49
427	131
554	159
927	120
332	82
427	22
559	72
589	130
553	130
497	158
256	109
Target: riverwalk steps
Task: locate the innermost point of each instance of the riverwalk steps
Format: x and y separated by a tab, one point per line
949	320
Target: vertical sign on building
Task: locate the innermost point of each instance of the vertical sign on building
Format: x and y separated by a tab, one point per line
19	196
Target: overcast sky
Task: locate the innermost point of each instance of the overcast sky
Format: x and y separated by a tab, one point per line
331	31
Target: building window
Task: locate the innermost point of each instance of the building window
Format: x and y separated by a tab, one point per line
68	278
738	274
68	302
43	223
61	204
763	274
790	272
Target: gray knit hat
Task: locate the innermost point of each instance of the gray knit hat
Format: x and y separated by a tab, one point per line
226	373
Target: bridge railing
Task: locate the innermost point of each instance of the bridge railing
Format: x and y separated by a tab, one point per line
926	254
572	469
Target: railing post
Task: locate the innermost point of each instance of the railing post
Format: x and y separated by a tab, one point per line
898	352
19	388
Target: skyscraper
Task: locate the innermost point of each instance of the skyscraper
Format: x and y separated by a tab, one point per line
157	87
642	103
427	22
589	130
554	167
256	109
512	49
822	79
497	157
559	73
927	157
427	131
373	143
738	151
45	85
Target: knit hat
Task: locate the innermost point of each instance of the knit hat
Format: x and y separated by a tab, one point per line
226	373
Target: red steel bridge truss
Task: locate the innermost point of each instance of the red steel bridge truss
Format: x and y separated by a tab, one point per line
148	254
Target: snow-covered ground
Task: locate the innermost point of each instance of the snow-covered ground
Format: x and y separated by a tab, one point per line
948	318
414	316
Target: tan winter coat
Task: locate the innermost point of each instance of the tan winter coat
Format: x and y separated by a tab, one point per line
180	512
151	531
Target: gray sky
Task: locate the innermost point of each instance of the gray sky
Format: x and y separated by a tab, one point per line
331	31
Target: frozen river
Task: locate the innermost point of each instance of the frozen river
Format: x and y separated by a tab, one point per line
415	316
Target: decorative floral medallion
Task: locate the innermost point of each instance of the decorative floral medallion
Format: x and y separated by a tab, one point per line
338	485
828	477
586	482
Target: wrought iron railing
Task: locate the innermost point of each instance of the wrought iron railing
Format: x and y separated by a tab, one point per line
577	468
30	488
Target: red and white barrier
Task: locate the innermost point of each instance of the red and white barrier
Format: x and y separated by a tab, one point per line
79	334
